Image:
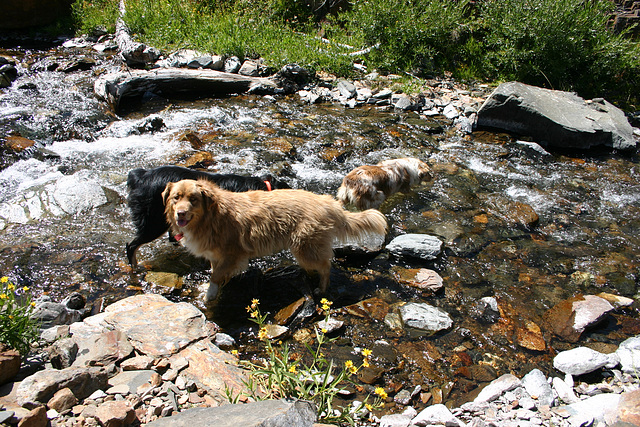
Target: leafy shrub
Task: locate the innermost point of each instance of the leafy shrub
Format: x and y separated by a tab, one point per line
18	329
561	44
419	36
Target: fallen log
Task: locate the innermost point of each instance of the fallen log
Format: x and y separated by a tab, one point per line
118	88
135	54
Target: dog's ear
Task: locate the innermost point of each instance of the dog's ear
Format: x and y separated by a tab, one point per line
208	195
166	192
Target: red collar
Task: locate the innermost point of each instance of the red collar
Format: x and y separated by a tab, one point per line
268	185
178	237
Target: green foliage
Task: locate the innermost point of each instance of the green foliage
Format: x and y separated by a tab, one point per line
18	329
560	44
226	29
92	14
419	36
282	375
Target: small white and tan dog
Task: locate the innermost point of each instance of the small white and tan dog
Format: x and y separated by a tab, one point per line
368	186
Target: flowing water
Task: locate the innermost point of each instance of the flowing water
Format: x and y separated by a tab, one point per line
585	241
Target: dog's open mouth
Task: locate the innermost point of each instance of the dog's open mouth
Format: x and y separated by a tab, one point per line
182	222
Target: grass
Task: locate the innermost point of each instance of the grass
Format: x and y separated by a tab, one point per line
18	329
559	44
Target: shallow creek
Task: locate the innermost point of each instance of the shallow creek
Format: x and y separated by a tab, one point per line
586	239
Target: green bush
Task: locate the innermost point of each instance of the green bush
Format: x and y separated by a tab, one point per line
18	329
419	36
562	44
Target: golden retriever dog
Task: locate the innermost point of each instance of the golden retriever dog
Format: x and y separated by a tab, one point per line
230	228
368	186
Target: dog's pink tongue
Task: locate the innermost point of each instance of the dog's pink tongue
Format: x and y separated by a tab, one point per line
182	222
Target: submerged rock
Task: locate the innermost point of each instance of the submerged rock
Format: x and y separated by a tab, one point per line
425	317
421	278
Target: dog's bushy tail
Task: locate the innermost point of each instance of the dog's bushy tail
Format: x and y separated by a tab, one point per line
343	195
359	225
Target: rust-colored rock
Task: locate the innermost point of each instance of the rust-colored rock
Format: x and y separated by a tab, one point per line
286	314
201	159
373	308
569	318
530	337
115	414
19	143
62	400
37	417
629	408
421	278
10	361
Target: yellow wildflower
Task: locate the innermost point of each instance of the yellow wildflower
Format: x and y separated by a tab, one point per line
254	314
262	334
11	286
368	406
350	367
3	296
26	288
326	304
293	369
33	303
4	279
366	352
234	352
324	330
380	392
365	363
254	303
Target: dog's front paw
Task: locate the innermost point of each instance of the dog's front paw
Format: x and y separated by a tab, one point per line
212	292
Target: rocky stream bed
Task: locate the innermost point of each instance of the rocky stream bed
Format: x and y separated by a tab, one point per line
533	251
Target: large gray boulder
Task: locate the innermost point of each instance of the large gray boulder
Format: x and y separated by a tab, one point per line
556	118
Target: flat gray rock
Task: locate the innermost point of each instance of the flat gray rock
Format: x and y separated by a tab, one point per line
268	413
416	245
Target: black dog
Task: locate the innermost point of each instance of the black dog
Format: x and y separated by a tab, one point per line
147	207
